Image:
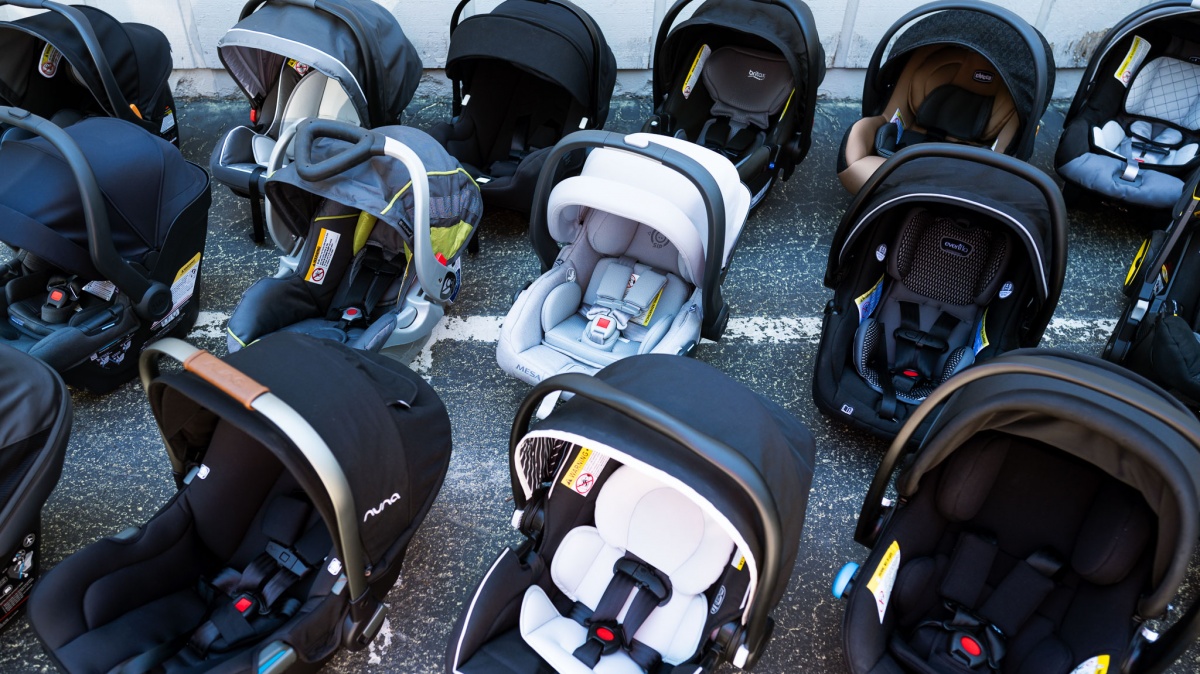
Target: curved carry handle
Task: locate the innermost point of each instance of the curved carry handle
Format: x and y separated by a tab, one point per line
715	453
812	43
435	279
872	95
716	312
256	397
151	299
365	144
593	34
1023	170
84	28
1155	657
370	73
1116	34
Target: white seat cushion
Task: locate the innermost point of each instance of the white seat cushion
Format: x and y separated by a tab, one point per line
638	514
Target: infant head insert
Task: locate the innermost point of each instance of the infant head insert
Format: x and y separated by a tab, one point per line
642	257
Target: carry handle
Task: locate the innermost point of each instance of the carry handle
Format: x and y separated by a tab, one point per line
873	99
151	299
714	452
597	54
364	145
84	28
258	398
812	47
436	280
1009	164
716	312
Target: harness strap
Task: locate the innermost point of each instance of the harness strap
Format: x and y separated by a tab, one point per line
257	215
1132	166
605	634
364	286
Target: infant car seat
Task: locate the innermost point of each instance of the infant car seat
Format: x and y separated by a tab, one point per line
1133	130
949	256
980	76
36	409
1048	510
345	60
382	236
660	529
635	274
740	77
289	527
524	75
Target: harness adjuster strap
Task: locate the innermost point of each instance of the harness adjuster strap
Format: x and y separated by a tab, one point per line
645	578
287	558
922	339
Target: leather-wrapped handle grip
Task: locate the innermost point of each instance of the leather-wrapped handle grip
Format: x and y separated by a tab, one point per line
228	379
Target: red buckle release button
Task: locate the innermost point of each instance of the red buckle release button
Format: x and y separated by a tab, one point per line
603	323
352	312
911	374
605	634
56	295
242	605
971	646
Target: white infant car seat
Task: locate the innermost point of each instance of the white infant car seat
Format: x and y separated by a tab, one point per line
650	531
630	277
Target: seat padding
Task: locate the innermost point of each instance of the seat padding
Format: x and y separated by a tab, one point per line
639	515
747	85
1168	89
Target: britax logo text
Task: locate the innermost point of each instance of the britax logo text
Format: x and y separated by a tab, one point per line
382	504
757	75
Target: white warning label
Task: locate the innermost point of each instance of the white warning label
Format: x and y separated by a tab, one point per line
693	75
102	289
884	578
327	242
182	289
1133	60
584	471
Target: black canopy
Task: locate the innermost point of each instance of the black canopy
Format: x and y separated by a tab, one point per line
385	426
770	22
545	39
358	43
1002	188
1099	412
139	57
770	439
145	181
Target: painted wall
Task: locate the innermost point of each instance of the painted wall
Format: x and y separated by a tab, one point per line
849	30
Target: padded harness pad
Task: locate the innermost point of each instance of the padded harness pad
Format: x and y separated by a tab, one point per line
747	86
956	112
639	515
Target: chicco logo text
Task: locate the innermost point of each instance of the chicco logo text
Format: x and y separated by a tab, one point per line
984	76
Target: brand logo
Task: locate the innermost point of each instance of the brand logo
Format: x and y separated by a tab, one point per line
658	239
382	504
984	76
881	252
717	601
846	409
956	247
757	75
526	370
1006	289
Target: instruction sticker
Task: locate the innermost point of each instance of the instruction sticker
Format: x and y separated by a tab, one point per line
884	578
327	242
584	471
1133	60
898	120
48	64
867	302
168	121
182	289
102	289
1096	665
300	68
981	338
693	75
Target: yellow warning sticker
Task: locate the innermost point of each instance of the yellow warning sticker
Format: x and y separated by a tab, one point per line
300	68
693	75
48	64
643	319
327	242
884	578
741	563
182	289
584	471
1133	60
1096	665
867	301
1137	261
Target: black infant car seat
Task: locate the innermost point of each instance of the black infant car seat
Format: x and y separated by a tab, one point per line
925	317
289	526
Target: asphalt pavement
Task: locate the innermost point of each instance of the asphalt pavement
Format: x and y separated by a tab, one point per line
117	474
